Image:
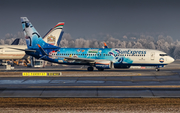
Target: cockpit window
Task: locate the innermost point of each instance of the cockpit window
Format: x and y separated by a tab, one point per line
163	55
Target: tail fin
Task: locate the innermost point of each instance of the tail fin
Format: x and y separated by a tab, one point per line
47	33
52	36
32	36
15	42
60	37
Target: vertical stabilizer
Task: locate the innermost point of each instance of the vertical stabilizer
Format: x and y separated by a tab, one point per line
15	42
53	35
32	36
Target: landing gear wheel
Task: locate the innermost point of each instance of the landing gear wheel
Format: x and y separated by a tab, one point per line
99	69
157	69
90	68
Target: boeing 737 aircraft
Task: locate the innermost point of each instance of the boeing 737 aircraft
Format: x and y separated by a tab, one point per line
101	58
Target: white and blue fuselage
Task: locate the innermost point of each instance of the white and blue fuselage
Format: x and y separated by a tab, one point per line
120	58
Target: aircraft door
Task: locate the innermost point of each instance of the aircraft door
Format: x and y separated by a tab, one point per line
152	55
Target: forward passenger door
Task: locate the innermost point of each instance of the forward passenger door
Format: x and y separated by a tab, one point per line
152	55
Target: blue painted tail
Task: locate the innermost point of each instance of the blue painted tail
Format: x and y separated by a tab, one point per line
32	36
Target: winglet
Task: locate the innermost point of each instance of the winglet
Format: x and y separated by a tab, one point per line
105	45
38	45
42	50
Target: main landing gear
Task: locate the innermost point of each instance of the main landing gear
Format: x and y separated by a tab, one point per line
90	68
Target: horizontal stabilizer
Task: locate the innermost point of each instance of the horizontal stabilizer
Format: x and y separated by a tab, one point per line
28	50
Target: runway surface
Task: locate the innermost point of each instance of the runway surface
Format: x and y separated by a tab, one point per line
81	83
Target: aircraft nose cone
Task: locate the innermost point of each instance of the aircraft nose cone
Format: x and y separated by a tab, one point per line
170	59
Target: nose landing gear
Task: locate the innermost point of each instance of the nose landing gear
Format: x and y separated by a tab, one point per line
157	69
90	68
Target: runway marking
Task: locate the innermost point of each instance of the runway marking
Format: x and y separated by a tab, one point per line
163	86
41	73
89	81
62	81
11	81
36	81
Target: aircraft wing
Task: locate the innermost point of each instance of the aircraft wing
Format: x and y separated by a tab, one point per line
80	59
87	60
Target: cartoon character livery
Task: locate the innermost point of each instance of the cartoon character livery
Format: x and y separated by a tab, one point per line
101	58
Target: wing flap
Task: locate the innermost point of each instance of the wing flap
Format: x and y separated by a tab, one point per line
80	59
87	60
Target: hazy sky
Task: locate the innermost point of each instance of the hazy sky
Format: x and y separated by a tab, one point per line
88	17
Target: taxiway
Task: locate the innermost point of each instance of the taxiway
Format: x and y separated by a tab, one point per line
81	83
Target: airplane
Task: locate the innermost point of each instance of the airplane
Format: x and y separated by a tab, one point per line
100	58
51	37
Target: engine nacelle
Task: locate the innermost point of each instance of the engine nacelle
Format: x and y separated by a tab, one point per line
104	65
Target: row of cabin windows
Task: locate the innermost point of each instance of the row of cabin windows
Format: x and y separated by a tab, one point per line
98	54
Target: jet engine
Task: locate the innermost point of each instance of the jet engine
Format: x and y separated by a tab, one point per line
104	65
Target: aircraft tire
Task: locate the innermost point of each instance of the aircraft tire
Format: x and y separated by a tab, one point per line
90	68
157	69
